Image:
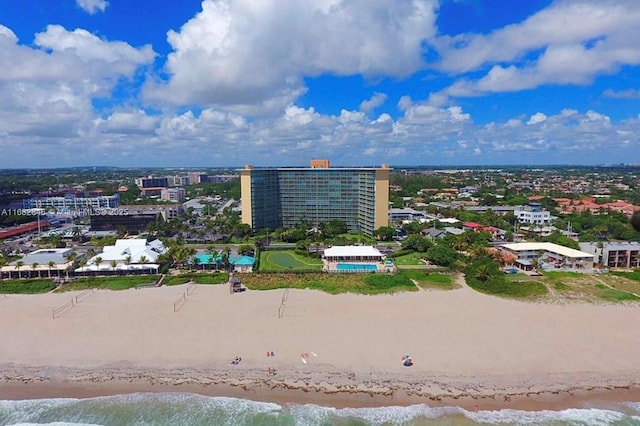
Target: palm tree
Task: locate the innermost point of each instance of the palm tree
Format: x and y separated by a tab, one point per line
214	255
226	257
76	234
143	260
51	264
478	251
34	266
127	261
19	264
97	261
113	264
483	273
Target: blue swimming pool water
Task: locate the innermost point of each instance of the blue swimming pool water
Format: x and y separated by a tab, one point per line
355	267
511	271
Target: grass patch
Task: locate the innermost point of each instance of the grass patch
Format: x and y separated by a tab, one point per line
555	276
428	280
287	260
26	286
215	278
633	275
561	286
613	295
108	283
408	259
330	283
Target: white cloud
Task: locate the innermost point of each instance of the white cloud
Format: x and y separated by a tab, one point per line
622	94
128	122
92	6
47	89
243	52
536	118
372	103
570	42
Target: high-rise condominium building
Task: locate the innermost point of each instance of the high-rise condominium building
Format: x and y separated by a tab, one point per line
288	196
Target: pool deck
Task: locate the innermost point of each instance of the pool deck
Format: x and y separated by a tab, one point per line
332	267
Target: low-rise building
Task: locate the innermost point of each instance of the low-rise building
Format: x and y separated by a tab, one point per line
614	254
355	259
41	263
72	202
549	256
133	255
175	195
533	214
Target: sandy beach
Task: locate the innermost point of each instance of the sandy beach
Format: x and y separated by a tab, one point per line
468	349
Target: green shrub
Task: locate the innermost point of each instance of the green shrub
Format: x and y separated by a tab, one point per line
486	277
329	283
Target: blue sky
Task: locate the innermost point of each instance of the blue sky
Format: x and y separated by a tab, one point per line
219	83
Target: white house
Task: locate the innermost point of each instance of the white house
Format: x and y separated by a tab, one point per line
355	259
549	256
128	255
532	214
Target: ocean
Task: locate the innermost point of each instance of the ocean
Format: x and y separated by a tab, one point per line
190	409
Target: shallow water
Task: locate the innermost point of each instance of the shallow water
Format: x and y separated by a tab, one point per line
191	409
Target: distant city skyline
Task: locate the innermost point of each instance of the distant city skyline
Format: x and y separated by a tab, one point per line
224	83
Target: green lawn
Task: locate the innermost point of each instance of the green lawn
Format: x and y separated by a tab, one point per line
287	260
408	259
26	286
428	280
109	283
209	278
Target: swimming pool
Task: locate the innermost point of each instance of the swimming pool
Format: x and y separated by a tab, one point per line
356	267
511	271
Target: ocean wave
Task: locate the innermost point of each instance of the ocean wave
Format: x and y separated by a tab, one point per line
192	409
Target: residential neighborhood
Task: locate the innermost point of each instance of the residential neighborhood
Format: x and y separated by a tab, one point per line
120	222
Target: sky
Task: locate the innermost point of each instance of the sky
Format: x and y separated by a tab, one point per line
225	83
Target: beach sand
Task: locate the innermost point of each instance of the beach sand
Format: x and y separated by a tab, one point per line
469	349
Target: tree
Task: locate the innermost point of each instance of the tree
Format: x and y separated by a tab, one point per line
51	264
417	243
97	261
34	266
442	254
19	264
483	272
226	258
245	249
113	264
214	255
385	233
635	220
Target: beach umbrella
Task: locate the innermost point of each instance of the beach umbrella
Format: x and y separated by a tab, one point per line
407	361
